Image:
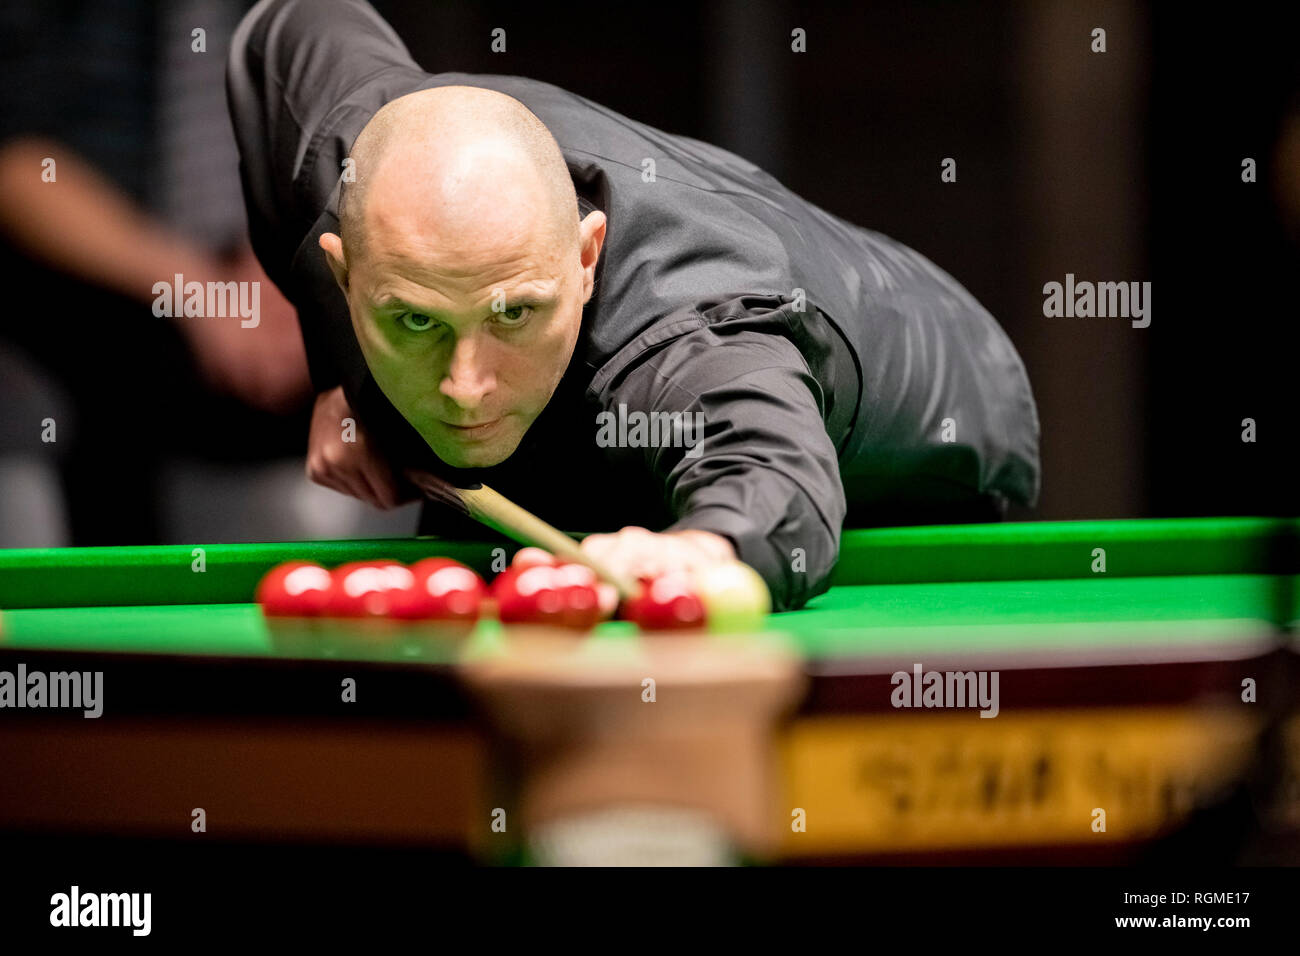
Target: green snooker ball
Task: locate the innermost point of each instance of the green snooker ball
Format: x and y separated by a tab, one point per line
735	597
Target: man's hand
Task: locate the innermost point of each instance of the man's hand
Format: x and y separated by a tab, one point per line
355	468
634	552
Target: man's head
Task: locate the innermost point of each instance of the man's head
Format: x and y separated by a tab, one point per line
465	266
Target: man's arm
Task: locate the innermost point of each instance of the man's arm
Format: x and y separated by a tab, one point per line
86	226
766	475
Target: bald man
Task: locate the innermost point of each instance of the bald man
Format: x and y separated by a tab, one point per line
625	331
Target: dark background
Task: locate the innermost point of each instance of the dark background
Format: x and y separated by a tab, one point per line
1122	166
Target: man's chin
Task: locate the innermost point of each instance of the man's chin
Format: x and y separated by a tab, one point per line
476	455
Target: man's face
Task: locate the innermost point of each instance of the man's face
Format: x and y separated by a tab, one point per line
468	337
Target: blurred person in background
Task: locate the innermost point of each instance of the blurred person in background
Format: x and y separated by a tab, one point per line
128	101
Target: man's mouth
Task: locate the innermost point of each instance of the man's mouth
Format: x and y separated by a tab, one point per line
474	430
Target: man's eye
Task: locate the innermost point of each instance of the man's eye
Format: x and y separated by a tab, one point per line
514	316
416	322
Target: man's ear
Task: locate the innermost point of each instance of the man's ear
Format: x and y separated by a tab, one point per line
591	239
338	264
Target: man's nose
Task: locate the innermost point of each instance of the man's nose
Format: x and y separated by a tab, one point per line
469	377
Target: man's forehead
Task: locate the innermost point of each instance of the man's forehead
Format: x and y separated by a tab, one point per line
455	185
467	239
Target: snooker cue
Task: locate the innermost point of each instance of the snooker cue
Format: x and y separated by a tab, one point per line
499	513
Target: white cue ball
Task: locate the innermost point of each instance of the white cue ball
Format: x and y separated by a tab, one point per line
734	596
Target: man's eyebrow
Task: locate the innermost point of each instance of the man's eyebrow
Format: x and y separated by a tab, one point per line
541	289
392	303
539	293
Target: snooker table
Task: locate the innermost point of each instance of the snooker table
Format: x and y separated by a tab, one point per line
1120	650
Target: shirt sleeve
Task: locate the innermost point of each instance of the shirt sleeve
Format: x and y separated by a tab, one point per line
302	80
754	462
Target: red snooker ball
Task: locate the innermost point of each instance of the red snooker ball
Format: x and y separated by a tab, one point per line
367	588
505	595
556	596
579	590
667	602
294	589
441	590
528	596
533	557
